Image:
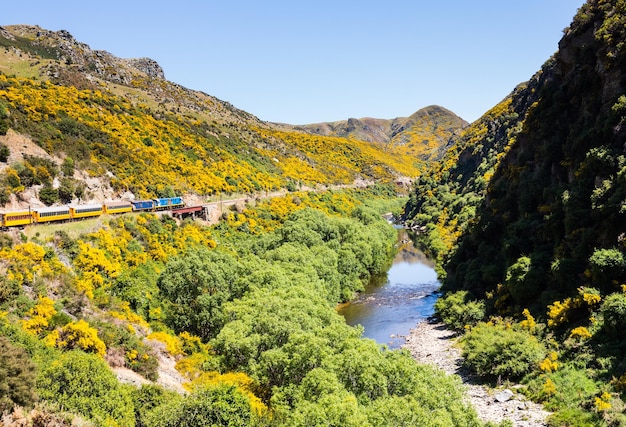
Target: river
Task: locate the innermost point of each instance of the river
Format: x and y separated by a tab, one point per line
392	304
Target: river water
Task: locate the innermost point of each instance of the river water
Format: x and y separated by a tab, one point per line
393	304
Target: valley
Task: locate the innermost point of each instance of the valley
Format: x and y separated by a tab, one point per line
233	320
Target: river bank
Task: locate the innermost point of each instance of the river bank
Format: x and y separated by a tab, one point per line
432	343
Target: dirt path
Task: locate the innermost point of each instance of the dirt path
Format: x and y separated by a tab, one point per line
433	343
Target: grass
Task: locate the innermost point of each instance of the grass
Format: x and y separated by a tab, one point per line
74	229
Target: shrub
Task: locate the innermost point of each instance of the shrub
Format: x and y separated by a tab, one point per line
48	195
80	335
212	406
17	376
456	311
498	350
67	167
606	265
9	289
83	383
572	417
4	123
147	398
4	151
613	310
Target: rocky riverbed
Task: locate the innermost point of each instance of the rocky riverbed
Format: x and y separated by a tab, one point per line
431	342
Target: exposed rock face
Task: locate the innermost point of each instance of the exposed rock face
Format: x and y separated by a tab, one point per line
82	58
148	66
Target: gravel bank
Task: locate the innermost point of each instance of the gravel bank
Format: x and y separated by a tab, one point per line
433	343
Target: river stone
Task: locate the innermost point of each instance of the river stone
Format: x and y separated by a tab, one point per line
504	395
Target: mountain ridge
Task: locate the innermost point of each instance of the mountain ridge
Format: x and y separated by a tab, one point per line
424	132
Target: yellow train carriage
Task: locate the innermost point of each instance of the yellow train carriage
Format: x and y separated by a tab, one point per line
117	207
16	218
54	213
85	211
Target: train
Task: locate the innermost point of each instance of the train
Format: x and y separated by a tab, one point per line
75	212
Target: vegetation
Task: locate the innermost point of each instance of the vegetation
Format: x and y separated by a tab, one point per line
458	311
525	216
155	155
498	350
83	383
247	307
17	377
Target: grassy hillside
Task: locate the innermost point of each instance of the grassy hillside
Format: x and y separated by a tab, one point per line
120	121
527	214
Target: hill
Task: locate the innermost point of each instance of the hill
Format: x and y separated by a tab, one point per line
526	215
136	134
425	134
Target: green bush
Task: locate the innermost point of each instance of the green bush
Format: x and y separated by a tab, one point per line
572	418
4	122
613	311
456	311
569	387
222	405
83	383
48	195
498	350
17	377
606	265
4	151
148	397
9	289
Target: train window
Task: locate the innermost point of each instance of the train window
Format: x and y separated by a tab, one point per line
55	213
93	209
17	217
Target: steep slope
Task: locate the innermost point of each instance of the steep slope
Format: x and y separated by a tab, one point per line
544	169
559	194
527	215
423	134
447	195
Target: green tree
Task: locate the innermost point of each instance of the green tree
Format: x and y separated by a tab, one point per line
196	285
48	195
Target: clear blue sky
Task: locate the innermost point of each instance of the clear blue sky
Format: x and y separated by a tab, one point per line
304	61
